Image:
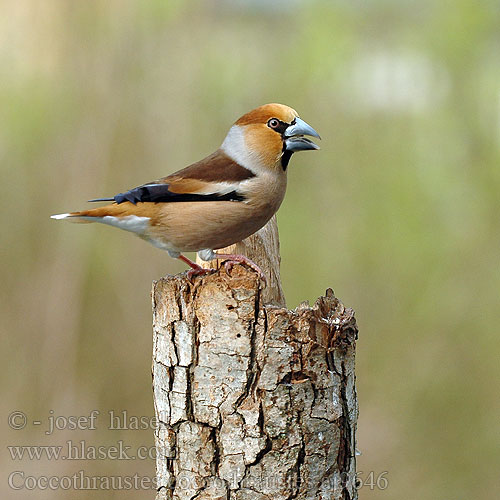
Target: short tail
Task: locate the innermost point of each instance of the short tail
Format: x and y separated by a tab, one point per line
60	216
72	217
125	216
94	215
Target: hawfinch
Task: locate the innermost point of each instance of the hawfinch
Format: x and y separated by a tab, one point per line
219	200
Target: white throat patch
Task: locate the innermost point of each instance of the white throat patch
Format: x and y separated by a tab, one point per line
235	147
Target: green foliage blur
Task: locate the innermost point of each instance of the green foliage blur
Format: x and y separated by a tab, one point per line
399	211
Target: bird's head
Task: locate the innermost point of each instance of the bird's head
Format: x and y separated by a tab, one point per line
268	136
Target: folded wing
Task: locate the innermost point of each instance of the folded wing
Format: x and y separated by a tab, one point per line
215	178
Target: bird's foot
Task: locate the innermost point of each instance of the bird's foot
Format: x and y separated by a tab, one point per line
195	270
233	259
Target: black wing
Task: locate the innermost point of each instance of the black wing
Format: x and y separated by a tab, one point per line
158	193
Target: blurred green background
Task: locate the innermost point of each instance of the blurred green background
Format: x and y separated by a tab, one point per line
399	211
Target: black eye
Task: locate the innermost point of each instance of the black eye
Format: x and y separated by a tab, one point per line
273	123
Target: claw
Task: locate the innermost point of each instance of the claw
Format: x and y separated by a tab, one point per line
197	271
230	261
240	259
228	266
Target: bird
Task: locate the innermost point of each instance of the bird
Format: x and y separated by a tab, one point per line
219	200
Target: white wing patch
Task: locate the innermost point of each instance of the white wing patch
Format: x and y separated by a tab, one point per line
211	188
219	188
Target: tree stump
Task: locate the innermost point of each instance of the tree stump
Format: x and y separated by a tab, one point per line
252	401
263	248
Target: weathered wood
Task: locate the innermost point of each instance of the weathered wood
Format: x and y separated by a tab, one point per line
253	402
263	248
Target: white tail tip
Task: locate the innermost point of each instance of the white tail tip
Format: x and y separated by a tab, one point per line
60	216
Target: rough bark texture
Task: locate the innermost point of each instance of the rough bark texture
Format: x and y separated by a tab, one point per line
263	248
253	402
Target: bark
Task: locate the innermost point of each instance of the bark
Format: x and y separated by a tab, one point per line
253	401
263	248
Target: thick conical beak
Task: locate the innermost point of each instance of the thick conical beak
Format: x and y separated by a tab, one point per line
295	136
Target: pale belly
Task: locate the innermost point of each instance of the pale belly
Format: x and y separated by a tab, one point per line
189	227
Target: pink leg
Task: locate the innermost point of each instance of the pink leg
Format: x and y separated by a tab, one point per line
195	270
239	259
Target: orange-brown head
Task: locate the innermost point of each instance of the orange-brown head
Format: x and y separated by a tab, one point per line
268	136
